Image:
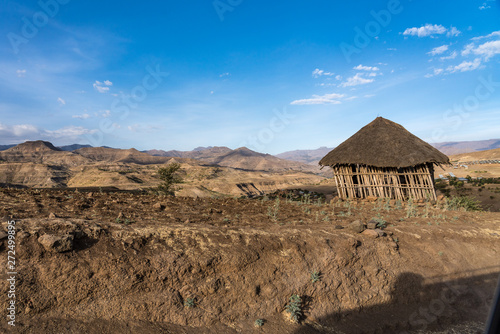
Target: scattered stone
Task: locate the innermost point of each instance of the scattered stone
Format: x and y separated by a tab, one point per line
380	232
338	227
371	233
90	194
52	215
394	245
357	226
372	224
158	206
56	243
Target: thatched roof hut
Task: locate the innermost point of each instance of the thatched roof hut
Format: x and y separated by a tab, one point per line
383	159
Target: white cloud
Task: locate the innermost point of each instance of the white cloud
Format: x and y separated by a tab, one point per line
468	49
437	71
224	75
61	101
465	66
430	30
99	86
83	116
106	113
143	128
338	77
493	34
452	55
366	68
392	49
488	49
453	32
21	73
484	6
369	95
356	80
23	132
323	99
317	73
438	50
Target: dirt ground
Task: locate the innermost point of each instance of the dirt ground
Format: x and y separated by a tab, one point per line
139	263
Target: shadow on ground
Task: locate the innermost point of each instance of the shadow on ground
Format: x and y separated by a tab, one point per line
418	306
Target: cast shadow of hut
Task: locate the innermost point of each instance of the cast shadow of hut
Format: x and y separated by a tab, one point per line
415	305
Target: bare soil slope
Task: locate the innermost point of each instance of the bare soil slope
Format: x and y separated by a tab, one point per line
135	261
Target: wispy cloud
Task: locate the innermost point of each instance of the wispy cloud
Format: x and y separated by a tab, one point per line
438	50
82	116
356	80
317	73
102	87
366	68
21	73
431	30
321	99
61	101
465	66
452	55
484	6
493	34
226	74
23	132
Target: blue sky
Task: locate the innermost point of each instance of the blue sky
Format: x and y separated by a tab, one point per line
270	76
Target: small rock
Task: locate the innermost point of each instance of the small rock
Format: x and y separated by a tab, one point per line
371	233
338	227
357	226
52	215
120	215
158	206
371	198
3	235
380	232
187	221
56	243
394	245
371	225
90	194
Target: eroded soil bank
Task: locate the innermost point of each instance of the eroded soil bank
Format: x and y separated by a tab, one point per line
130	263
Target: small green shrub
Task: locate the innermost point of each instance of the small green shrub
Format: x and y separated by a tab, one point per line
190	303
315	276
294	308
259	323
463	202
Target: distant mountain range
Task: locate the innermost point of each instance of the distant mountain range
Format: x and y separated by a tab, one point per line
241	158
312	157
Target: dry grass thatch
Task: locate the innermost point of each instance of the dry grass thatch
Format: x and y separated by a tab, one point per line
383	143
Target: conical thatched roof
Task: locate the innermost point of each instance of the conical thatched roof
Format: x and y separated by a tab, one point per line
383	143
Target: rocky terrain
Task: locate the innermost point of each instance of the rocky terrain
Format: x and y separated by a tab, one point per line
240	172
137	263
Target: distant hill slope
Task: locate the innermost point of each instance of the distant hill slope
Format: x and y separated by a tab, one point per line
72	147
306	156
451	148
40	152
312	157
241	158
481	155
104	154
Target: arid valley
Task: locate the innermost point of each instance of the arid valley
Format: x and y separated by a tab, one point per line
99	252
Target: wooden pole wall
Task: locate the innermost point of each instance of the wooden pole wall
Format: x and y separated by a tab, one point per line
360	181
